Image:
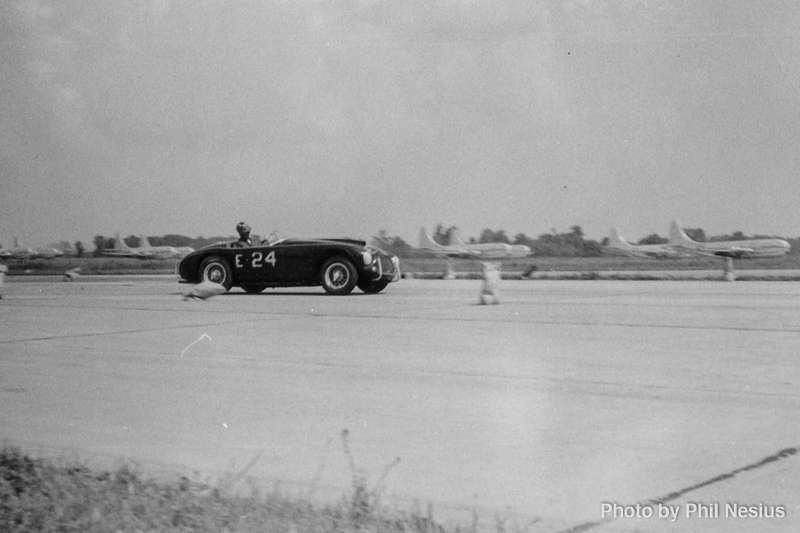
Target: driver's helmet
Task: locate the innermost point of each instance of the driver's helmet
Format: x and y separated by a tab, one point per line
243	229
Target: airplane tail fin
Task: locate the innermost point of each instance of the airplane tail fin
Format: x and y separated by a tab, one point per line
677	236
119	243
426	242
615	240
144	243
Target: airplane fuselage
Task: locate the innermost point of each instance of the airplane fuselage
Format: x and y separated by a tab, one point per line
485	251
500	250
740	249
744	249
488	251
24	254
657	252
17	254
120	253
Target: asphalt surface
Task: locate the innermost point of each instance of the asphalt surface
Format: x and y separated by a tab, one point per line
566	396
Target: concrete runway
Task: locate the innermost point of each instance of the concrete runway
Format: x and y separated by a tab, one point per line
568	395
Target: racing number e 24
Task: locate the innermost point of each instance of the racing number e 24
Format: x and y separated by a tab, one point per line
257	259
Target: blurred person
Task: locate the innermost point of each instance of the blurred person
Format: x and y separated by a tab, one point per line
491	279
3	270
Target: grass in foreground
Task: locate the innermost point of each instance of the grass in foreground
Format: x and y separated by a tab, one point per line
39	495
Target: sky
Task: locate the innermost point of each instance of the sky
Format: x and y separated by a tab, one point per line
347	117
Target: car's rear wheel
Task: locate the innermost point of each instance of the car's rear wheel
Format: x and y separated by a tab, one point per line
254	289
216	270
372	287
338	276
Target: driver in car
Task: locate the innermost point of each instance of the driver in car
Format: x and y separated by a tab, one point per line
244	235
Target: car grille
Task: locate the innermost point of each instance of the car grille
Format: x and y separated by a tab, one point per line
386	265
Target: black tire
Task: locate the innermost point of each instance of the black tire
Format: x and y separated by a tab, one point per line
338	276
254	289
216	270
372	287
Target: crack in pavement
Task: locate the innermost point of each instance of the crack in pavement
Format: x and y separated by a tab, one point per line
782	454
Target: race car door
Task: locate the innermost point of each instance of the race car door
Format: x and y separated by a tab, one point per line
255	265
267	265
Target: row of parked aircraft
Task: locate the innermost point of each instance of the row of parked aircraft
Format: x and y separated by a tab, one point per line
680	245
24	253
145	250
120	249
459	249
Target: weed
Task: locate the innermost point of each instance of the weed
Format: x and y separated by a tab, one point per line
38	495
363	503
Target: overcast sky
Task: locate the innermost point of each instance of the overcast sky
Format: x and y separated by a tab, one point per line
345	117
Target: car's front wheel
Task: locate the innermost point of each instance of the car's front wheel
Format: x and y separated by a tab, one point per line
372	287
338	276
216	270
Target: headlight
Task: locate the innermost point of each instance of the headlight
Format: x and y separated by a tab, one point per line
367	256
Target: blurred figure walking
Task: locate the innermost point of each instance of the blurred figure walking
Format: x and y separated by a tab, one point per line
491	279
3	270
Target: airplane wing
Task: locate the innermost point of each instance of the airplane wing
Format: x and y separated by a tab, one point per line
17	253
454	253
145	255
734	252
668	251
127	253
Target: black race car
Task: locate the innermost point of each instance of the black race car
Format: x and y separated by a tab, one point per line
338	265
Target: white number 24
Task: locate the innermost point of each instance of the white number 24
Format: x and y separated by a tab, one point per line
257	256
